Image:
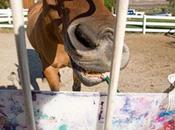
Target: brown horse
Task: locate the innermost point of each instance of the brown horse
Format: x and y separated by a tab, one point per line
76	33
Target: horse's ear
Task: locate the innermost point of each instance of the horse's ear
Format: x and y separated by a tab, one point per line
49	2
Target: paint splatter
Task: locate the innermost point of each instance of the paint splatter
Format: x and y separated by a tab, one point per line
74	111
63	127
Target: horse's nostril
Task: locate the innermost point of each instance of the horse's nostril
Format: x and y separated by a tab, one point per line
107	33
86	36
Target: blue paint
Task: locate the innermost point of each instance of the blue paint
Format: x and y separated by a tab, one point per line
63	127
132	115
127	105
40	115
166	113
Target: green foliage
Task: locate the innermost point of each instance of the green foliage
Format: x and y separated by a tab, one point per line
109	4
157	10
4	4
172	6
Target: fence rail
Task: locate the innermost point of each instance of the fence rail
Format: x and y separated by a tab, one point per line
6	20
143	23
148	23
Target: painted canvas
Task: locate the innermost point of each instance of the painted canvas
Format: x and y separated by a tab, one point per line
140	111
53	111
66	111
86	111
12	115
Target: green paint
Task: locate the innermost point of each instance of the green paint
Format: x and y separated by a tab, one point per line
63	127
107	79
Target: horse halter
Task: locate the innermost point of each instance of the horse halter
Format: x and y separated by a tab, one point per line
63	12
60	8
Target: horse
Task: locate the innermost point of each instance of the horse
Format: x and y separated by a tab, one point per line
74	33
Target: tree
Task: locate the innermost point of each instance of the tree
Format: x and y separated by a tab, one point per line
4	4
109	4
172	6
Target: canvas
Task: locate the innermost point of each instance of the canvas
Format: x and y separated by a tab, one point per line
86	111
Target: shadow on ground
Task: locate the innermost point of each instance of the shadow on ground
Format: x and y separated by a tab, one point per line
35	67
171	44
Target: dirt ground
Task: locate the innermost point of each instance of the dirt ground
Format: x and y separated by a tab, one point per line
152	60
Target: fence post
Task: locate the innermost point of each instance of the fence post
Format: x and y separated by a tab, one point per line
9	14
119	34
19	31
144	24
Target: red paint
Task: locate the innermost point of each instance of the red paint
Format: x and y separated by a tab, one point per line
169	125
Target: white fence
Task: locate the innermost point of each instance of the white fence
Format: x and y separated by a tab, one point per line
6	20
143	23
147	23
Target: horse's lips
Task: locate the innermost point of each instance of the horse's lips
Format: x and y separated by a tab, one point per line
85	77
88	80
